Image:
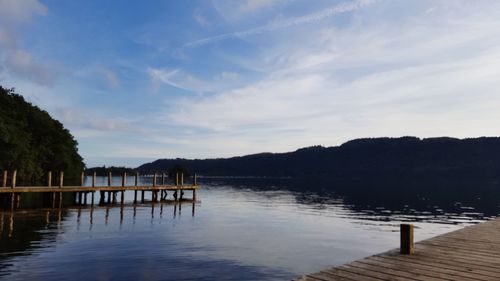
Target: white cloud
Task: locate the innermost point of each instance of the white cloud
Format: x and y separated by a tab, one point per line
289	22
111	78
78	119
18	61
21	63
15	11
182	80
200	18
432	74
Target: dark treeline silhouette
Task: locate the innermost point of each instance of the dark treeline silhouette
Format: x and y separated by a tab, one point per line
385	161
116	171
32	142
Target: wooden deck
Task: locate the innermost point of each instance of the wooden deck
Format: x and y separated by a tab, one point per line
42	189
471	253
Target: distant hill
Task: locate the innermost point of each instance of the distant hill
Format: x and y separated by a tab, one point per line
32	142
371	159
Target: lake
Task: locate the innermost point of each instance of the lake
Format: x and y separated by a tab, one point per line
251	229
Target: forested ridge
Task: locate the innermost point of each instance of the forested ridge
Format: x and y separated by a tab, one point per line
381	159
32	142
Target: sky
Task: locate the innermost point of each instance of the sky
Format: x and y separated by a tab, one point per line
135	81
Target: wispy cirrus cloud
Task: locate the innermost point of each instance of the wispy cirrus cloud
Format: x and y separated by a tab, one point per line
290	22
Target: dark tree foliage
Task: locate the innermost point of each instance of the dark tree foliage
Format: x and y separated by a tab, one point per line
178	169
115	171
32	142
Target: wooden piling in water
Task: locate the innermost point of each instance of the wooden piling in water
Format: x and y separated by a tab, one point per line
407	247
124	183
136	182
93	185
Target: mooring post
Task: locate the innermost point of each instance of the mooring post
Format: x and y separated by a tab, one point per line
195	179
176	178
4	179
14	175
163	178
154	179
82	178
182	178
194	194
49	179
407	247
93	179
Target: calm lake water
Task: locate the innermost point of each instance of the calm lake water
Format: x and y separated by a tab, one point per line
252	231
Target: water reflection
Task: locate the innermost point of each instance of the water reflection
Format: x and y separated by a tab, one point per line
257	230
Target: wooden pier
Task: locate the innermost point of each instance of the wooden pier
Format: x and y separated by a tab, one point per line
471	253
108	193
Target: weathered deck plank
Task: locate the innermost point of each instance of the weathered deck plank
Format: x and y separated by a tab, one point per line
471	253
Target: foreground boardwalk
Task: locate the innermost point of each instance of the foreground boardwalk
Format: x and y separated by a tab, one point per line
471	253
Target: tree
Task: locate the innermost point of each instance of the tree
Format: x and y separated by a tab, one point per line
32	142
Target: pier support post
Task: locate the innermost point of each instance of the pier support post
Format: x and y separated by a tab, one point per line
4	178
407	247
14	175
124	182
194	194
49	179
61	179
82	178
136	182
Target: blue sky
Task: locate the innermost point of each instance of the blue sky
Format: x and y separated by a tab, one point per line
139	80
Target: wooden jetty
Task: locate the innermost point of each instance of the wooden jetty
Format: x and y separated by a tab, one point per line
471	253
159	188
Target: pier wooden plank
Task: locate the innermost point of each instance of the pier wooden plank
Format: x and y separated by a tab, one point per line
471	253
